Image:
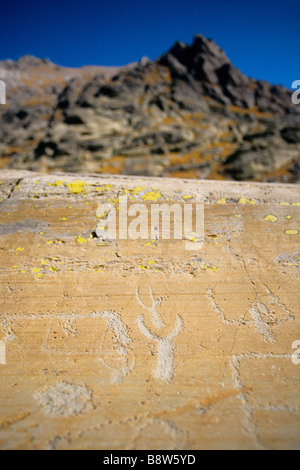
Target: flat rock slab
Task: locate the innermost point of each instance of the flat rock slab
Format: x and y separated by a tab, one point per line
144	344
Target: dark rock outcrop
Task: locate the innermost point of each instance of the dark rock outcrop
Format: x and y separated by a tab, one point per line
190	113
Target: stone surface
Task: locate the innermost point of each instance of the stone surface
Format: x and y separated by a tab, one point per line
144	344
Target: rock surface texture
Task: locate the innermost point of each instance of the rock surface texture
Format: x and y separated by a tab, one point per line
189	114
144	344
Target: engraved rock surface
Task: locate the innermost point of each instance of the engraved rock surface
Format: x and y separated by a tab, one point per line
144	344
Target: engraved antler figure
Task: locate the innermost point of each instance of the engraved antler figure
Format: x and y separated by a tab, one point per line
165	367
155	302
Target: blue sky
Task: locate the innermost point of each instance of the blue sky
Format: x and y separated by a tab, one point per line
261	37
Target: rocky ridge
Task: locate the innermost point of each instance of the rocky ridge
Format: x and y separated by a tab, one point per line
188	114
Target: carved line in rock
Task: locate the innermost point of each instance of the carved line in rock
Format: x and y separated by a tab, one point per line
165	365
114	323
166	348
249	425
262	318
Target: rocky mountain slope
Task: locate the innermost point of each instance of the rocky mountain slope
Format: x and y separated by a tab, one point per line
188	114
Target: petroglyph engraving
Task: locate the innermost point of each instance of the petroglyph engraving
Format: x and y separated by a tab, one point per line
120	330
2	353
124	358
249	425
262	319
165	366
170	433
65	399
157	321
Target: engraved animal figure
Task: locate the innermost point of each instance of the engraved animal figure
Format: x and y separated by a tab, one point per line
113	348
165	366
262	320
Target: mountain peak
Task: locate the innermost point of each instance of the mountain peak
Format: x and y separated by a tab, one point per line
190	112
201	59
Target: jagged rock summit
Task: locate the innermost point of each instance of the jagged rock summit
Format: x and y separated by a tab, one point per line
190	113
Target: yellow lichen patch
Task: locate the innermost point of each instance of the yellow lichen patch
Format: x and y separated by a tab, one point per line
152	195
253	110
245	200
291	232
80	239
211	268
222	201
214	268
37	182
185	196
295	203
42	233
101	216
289	217
63	218
284	203
15	266
53	269
151	261
77	187
237	215
271	218
149	243
39	275
49	242
57	183
20	248
43	261
168	120
138	189
36	270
